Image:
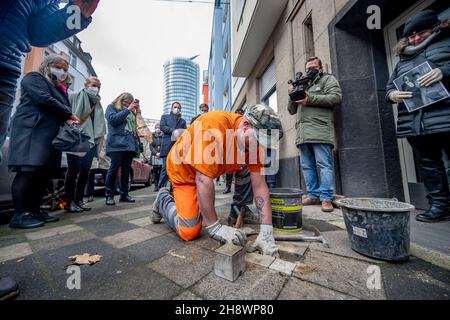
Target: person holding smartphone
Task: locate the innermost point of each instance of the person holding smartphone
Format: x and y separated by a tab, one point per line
121	144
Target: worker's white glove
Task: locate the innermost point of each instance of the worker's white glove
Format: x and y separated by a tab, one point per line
265	242
398	96
431	77
226	234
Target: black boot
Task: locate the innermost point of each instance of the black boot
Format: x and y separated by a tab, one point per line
127	199
43	216
82	206
434	214
110	201
25	221
73	208
8	288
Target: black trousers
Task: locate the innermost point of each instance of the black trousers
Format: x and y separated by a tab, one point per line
8	82
243	191
77	175
229	180
28	190
156	171
90	187
122	161
429	151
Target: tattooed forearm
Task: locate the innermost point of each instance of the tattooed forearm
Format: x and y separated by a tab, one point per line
259	202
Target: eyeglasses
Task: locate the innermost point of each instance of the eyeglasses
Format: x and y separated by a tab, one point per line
420	34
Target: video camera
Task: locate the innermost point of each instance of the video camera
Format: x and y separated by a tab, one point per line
300	85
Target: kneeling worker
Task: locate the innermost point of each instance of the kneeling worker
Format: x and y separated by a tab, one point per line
193	197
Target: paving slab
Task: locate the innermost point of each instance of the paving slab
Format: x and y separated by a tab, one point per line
135	215
141	222
61	240
185	266
15	251
7	240
187	295
259	259
341	274
160	228
340	245
137	284
88	217
51	232
106	227
120	212
416	280
283	266
153	249
128	238
292	251
257	283
297	289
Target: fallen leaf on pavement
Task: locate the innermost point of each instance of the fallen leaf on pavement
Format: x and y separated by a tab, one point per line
85	259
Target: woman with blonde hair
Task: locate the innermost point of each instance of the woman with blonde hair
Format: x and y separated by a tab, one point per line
43	108
122	144
88	108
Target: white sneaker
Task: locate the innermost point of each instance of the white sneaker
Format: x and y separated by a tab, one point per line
155	216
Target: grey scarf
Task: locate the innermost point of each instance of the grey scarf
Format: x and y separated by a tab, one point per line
412	50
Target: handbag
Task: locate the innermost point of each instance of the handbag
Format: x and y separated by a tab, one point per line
72	139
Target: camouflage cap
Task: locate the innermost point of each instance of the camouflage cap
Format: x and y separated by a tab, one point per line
267	125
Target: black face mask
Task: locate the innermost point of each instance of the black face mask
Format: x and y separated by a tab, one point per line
312	73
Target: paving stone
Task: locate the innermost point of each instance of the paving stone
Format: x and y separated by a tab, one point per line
340	274
416	280
187	295
121	212
259	259
128	238
292	251
106	227
89	217
142	222
51	232
7	240
283	266
340	245
153	249
61	240
135	215
136	284
256	283
338	223
15	251
160	228
33	283
185	266
297	289
113	262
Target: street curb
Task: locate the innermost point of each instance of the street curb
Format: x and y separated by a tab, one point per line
431	256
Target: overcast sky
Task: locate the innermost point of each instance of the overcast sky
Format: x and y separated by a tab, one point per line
130	41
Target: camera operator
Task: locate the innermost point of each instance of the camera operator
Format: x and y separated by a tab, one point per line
315	130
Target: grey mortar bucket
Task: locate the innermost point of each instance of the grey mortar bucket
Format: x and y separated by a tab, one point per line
378	228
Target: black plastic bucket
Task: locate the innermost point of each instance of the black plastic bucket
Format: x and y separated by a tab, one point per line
287	209
378	228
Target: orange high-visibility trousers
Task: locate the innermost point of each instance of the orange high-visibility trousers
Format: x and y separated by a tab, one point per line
188	212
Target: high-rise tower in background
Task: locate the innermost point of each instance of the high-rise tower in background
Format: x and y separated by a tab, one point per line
182	84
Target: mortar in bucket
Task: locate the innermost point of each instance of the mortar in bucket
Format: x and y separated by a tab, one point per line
378	228
287	209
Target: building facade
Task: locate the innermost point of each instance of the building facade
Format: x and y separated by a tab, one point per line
219	67
271	42
182	84
80	62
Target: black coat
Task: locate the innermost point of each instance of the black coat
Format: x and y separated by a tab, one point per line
119	139
434	118
155	147
169	123
42	110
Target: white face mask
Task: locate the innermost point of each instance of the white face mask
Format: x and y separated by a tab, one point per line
176	111
93	90
60	74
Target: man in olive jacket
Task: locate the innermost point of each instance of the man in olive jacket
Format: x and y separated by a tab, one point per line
315	133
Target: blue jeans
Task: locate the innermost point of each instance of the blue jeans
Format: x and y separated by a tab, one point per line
8	82
315	156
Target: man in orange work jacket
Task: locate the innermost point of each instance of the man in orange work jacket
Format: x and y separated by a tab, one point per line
217	143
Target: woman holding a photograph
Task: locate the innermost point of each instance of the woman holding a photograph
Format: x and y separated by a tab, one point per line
426	39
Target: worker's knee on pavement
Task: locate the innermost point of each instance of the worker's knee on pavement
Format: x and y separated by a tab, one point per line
190	233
